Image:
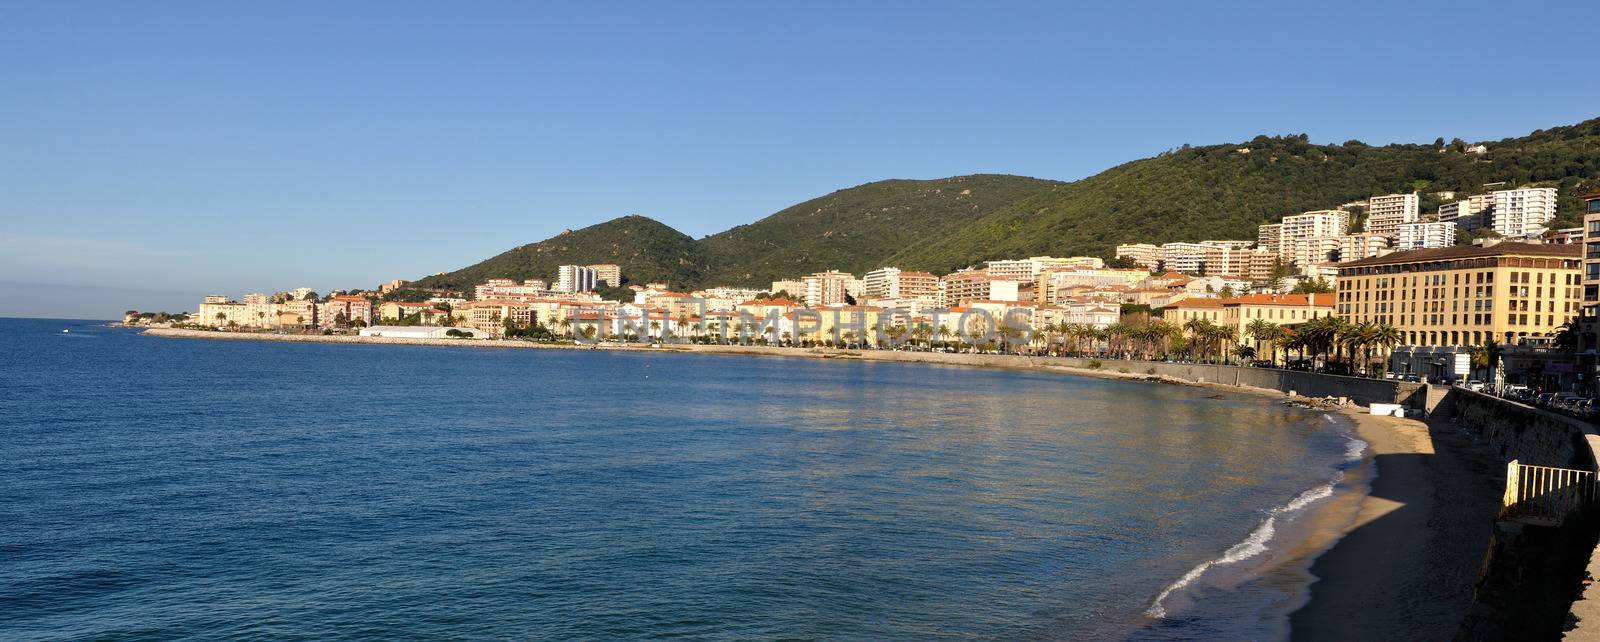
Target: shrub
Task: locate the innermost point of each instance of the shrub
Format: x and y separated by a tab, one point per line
1094	364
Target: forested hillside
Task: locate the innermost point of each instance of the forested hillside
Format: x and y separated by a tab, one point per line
1187	194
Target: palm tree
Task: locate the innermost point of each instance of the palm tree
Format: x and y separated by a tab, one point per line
1261	330
1245	353
1385	336
1486	357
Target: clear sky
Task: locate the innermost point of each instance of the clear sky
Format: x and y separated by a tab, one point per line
153	152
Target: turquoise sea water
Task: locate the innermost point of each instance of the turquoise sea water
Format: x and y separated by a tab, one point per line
186	489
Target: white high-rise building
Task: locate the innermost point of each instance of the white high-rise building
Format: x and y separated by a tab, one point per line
1385	214
1421	236
1521	212
1269	237
1187	258
1360	246
1314	224
575	278
1144	254
1027	270
826	288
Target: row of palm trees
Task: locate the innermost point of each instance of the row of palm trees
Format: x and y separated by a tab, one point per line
1318	342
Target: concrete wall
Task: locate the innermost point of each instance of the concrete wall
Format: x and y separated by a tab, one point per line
1526	434
1531	574
1361	390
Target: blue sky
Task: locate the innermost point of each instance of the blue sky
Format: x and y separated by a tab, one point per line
165	150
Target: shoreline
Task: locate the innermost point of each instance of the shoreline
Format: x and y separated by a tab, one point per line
1403	567
1406	566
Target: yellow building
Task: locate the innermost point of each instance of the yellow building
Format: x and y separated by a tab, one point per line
1465	295
397	310
1237	313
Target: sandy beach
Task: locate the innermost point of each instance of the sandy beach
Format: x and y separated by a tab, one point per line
1405	568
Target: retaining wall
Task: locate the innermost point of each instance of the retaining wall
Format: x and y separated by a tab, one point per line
1360	390
1524	433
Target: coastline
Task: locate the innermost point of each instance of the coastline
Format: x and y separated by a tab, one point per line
1404	567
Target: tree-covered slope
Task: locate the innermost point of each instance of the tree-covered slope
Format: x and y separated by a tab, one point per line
1225	191
1188	194
856	229
645	249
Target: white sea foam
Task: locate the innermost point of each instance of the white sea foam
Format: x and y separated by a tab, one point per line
1254	544
1354	449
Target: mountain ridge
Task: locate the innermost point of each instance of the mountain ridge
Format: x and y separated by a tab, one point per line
1189	193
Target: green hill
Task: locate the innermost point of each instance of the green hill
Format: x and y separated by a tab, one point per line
1224	192
852	229
645	249
857	229
1186	194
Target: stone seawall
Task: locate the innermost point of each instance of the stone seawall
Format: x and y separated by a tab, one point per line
1360	390
1532	436
1531	583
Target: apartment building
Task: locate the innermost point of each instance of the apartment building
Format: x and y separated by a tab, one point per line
961	288
1187	258
1462	296
1468	213
1360	246
607	274
1314	224
299	313
490	315
1385	214
1422	236
894	283
1027	270
575	278
1520	213
1260	264
1311	250
1589	312
825	288
509	289
1269	237
1511	213
1238	312
427	313
347	309
1145	254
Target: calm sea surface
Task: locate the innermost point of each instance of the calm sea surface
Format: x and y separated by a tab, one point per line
165	488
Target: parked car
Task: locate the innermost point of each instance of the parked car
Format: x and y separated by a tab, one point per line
1474	385
1517	392
1562	401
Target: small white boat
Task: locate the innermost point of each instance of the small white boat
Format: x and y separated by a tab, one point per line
65	331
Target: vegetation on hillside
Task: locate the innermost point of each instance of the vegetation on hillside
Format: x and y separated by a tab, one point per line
1186	194
645	249
1225	191
856	229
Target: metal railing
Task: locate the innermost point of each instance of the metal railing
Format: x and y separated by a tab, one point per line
1545	495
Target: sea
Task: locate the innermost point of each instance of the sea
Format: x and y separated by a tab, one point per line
180	489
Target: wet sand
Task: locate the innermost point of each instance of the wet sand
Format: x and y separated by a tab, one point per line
1406	567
